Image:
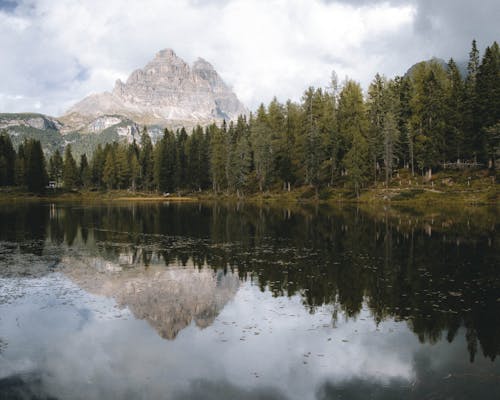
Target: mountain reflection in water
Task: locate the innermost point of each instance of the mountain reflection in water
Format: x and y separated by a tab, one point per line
168	298
311	275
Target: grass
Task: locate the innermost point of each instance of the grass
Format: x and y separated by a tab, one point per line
445	187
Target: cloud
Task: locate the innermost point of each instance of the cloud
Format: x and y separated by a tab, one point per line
58	52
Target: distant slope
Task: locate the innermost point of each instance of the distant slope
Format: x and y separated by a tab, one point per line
54	135
462	66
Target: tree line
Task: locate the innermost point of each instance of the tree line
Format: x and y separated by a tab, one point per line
332	136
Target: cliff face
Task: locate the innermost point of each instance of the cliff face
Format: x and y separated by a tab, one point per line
167	92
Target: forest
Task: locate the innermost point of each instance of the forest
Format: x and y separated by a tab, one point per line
333	137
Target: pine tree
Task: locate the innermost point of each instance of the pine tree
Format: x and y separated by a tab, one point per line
262	148
197	164
403	90
352	119
146	161
181	159
470	104
242	156
493	143
56	166
20	166
123	172
428	121
134	166
454	135
313	154
487	98
218	156
70	170
36	172
377	109
7	160
390	134
356	162
109	175
165	161
287	159
97	168
84	175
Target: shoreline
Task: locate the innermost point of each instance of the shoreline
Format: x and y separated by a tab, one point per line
445	188
413	196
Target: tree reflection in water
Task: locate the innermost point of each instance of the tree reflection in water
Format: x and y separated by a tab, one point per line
437	270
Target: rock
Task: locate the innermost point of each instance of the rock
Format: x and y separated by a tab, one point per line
166	92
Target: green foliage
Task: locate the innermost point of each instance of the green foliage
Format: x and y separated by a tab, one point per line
36	173
56	166
71	174
7	160
356	162
331	137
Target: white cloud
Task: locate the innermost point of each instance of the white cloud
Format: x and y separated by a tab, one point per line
57	52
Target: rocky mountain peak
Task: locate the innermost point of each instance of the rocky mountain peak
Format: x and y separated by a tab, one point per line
167	92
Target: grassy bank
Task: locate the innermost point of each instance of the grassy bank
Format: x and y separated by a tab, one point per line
444	188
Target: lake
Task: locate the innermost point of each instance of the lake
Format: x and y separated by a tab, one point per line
212	301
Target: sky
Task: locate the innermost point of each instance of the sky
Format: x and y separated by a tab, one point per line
54	53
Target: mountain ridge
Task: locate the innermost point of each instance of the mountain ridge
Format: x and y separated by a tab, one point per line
167	91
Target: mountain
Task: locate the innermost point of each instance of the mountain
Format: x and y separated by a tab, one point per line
53	134
166	92
169	299
461	65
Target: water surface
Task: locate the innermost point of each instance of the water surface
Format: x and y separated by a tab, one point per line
191	301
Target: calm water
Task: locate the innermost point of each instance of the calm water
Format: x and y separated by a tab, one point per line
179	301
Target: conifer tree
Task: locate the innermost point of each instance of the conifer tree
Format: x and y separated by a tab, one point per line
262	148
97	166
109	174
165	161
352	119
146	161
470	105
20	166
377	109
7	160
356	162
70	170
218	156
56	166
36	173
487	98
454	135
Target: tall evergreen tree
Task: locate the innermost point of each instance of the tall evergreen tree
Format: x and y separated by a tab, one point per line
84	175
218	157
20	165
403	89
7	160
455	103
428	121
56	166
36	172
110	173
70	169
352	118
356	162
262	148
470	107
377	109
146	163
181	159
165	161
487	98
